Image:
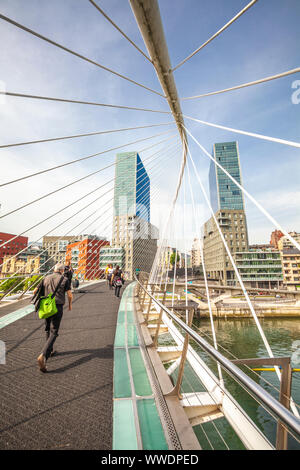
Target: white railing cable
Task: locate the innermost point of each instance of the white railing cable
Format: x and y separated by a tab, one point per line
244	85
216	34
250	134
89	103
120	30
204	269
258	205
271	404
265	341
83	159
16	286
78	211
66	49
110	131
77	200
58	189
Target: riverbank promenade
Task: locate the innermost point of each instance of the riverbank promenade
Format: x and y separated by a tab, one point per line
70	406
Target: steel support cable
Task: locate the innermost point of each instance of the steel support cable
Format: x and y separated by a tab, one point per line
120	31
207	335
11	239
59	211
62	187
262	334
110	131
244	85
36	282
250	134
56	213
66	49
195	336
59	225
159	169
252	199
156	254
215	342
271	404
247	7
143	211
77	212
16	286
175	197
90	103
82	159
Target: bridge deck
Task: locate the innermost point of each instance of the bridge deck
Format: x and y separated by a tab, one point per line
70	407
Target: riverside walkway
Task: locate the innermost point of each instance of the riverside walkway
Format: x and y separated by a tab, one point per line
71	406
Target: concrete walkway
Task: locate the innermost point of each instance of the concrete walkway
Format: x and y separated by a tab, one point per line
69	407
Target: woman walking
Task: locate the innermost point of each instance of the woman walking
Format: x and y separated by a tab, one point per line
117	280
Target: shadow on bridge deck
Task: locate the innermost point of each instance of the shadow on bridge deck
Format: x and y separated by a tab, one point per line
70	407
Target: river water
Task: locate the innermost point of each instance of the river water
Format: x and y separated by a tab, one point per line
241	339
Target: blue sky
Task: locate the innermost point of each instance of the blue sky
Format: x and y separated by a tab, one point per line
264	41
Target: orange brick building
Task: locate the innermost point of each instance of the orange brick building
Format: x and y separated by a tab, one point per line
84	257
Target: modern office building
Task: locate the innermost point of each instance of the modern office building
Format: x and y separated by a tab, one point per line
132	229
228	204
224	193
112	255
260	268
132	187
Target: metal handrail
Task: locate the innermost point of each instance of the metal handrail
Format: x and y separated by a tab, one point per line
282	413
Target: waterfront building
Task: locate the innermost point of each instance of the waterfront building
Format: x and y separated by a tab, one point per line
84	256
13	247
132	229
275	237
228	204
34	260
284	243
56	246
196	254
112	255
233	226
290	258
260	268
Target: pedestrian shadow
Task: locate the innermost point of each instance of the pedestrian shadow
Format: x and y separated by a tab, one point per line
86	356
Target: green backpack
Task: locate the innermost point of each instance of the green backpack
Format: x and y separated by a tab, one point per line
47	306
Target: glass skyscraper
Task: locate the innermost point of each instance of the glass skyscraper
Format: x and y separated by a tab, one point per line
132	230
132	187
224	194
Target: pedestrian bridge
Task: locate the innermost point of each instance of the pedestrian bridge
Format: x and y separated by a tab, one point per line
116	381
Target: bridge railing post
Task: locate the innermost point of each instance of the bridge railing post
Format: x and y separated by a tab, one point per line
177	387
155	341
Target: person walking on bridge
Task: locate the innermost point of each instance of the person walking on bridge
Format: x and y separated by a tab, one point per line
117	280
52	323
